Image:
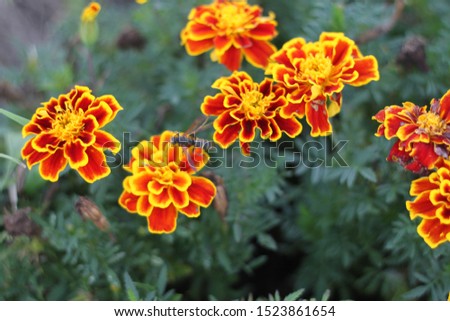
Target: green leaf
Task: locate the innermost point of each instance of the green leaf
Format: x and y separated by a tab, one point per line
267	241
294	295
162	280
369	174
18	119
131	290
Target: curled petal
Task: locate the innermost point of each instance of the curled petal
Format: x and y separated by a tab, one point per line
247	133
161	200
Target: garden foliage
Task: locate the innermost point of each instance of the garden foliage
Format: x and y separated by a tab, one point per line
321	213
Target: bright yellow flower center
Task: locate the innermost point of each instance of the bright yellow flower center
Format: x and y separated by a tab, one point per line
316	68
254	104
68	123
233	19
431	124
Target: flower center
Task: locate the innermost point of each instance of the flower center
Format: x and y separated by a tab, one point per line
431	124
233	19
254	104
316	68
164	175
68	123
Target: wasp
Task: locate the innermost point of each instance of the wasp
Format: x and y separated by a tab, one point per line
188	141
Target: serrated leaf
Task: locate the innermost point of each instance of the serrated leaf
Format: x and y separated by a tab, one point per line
130	288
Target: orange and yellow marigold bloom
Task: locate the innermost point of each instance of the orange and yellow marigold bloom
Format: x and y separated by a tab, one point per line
242	106
163	182
315	73
432	204
67	130
232	29
423	135
90	12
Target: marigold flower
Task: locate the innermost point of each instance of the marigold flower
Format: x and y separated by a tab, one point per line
162	182
68	131
314	75
232	29
432	204
423	136
242	106
90	12
141	1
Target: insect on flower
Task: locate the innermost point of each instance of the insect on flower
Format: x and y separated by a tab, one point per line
189	142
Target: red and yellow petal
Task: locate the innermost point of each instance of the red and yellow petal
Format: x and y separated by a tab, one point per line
197	31
213	105
162	220
248	130
228	136
191	210
139	183
104	140
128	201
161	200
421	185
179	199
31	155
291	126
75	153
45	142
202	191
231	58
224	120
181	181
421	206
433	232
258	53
195	48
51	166
444	110
317	118
367	68
143	205
96	167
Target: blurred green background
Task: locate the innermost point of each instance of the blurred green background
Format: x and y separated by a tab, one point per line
342	229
